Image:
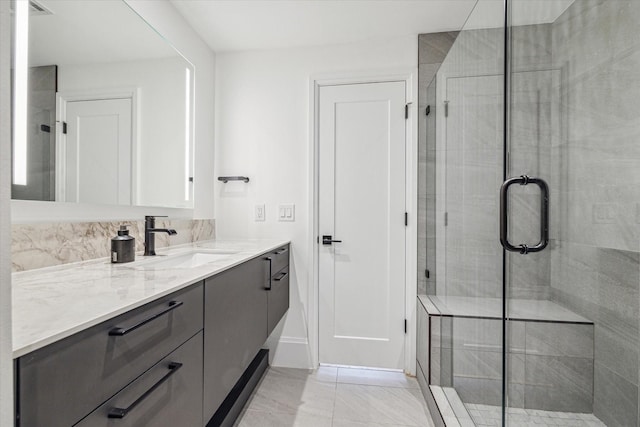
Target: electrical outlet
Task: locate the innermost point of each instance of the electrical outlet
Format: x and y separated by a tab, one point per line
604	213
287	212
259	212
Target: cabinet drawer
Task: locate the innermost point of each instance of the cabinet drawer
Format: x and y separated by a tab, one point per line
279	258
60	384
278	298
169	394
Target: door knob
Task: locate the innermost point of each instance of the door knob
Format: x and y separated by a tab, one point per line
327	240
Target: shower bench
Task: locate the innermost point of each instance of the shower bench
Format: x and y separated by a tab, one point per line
549	358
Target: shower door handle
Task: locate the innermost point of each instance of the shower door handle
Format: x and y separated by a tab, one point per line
544	214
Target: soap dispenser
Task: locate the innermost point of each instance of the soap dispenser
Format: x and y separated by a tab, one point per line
123	246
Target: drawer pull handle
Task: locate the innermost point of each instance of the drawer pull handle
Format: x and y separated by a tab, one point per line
268	288
122	412
281	276
281	251
118	332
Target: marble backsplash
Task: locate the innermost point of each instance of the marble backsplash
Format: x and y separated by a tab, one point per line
47	244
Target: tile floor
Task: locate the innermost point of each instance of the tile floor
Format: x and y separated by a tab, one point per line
335	397
485	415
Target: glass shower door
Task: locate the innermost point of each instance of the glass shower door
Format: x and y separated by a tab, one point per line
464	168
572	308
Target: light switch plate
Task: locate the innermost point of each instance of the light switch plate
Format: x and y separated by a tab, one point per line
259	212
287	212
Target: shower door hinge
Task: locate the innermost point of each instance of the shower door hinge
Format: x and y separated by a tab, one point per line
64	128
446	108
406	219
405	326
446	219
428	110
406	111
426	274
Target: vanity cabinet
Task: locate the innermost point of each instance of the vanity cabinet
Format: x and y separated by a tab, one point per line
172	362
62	383
242	306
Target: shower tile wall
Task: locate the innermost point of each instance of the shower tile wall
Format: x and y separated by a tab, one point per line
468	167
595	264
432	50
533	109
466	256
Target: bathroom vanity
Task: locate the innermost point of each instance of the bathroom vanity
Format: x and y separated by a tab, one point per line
165	341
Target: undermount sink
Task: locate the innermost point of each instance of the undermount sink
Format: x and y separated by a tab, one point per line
188	260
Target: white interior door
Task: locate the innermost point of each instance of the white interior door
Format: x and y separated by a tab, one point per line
98	151
362	203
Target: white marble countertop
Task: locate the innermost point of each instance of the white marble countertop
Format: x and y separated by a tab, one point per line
52	303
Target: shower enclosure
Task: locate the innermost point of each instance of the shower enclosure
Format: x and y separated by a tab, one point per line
529	198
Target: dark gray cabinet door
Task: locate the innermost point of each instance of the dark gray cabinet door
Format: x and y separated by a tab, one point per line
279	258
235	327
167	395
278	298
60	384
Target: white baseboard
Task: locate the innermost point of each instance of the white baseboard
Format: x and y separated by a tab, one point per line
290	352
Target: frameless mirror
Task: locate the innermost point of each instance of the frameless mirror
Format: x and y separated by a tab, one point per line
109	108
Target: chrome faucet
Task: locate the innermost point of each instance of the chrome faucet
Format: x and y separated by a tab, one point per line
149	234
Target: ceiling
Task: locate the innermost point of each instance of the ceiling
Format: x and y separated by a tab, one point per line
236	25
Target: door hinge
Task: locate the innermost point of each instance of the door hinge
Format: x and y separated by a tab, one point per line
426	274
428	110
406	219
64	128
406	111
446	219
405	326
446	108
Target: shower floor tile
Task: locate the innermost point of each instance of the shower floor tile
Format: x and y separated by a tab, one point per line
485	415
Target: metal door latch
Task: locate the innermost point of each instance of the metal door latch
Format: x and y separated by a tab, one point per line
327	240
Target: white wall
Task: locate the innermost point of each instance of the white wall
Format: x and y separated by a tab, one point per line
6	360
262	131
168	22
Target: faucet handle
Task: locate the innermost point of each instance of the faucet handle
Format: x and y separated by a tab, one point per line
147	217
